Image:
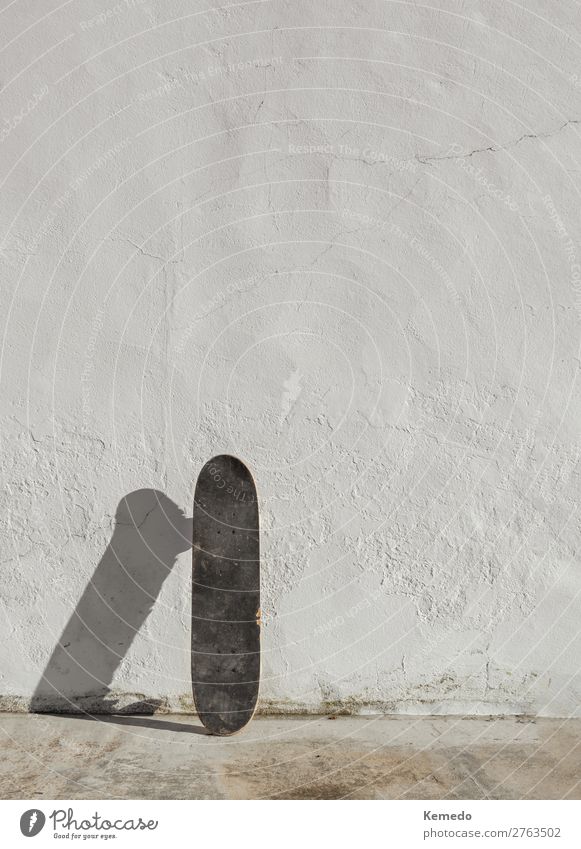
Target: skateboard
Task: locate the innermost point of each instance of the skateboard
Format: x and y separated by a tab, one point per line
225	596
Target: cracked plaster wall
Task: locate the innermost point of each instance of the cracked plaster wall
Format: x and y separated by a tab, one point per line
341	241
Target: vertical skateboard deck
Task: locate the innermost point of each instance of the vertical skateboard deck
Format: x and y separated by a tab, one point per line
225	596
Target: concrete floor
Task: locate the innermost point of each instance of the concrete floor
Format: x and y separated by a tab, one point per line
160	757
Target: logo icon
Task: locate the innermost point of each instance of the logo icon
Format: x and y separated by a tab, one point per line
32	822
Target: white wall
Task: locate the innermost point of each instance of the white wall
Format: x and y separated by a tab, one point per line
351	260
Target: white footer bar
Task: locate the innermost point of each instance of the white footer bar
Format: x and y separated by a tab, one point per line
303	824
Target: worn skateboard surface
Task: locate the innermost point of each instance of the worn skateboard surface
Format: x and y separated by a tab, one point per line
225	596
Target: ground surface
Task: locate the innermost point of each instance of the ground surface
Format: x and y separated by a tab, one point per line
58	757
